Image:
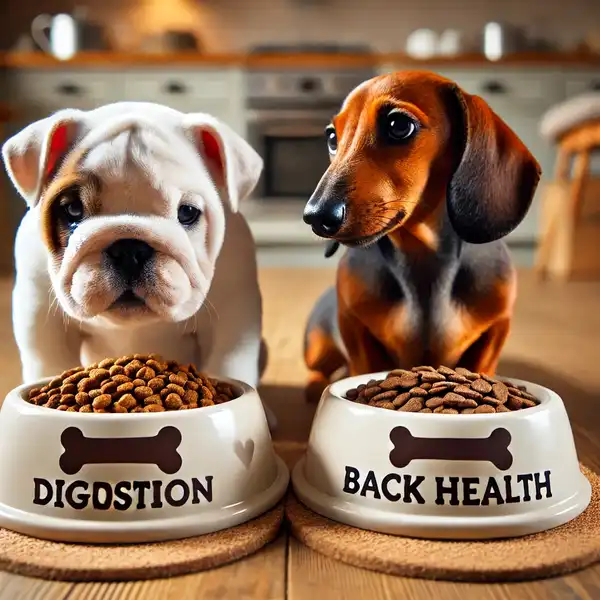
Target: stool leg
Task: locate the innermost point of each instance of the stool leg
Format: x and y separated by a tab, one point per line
561	173
563	164
580	172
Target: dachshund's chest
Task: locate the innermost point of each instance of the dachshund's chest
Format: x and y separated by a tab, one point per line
435	315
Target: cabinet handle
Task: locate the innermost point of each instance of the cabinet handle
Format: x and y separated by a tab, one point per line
494	87
69	89
595	86
175	88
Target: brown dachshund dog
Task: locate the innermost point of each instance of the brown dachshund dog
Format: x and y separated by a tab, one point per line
424	182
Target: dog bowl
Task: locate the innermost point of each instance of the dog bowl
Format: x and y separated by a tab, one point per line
141	477
444	476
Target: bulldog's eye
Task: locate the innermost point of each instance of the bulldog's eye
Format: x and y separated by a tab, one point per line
398	126
72	207
188	214
331	137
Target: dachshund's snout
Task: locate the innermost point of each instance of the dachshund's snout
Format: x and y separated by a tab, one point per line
325	217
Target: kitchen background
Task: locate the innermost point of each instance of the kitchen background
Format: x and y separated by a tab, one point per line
276	70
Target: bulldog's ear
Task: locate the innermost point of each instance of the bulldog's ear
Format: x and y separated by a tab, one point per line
32	155
493	184
232	163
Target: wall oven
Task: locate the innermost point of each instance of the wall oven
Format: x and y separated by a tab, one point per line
292	144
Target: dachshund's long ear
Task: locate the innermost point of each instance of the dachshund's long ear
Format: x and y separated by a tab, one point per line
493	184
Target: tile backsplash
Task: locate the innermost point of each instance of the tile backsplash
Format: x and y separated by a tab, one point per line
234	25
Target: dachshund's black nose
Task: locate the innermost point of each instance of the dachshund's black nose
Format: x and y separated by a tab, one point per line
129	257
325	218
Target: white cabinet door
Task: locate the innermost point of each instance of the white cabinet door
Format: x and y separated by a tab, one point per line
218	92
51	90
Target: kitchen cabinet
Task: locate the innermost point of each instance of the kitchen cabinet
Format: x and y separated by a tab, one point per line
219	92
39	93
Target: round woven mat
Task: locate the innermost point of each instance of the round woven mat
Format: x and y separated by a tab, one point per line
80	562
561	550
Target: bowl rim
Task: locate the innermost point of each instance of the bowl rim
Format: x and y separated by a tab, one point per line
333	392
17	396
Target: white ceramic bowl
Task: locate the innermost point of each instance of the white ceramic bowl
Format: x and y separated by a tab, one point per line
116	478
443	476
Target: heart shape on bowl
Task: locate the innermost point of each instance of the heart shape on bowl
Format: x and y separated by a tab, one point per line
245	451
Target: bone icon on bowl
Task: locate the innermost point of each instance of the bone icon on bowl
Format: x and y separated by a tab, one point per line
159	450
494	448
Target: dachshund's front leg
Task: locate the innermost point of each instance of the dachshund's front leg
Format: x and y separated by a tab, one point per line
484	354
366	353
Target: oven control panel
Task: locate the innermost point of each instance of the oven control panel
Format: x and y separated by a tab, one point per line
303	87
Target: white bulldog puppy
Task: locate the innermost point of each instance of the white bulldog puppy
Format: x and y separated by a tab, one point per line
133	242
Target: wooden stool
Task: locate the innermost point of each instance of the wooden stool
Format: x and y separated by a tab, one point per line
570	241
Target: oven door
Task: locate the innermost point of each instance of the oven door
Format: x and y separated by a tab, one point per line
294	150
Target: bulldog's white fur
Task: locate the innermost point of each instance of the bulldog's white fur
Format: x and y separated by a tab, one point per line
134	164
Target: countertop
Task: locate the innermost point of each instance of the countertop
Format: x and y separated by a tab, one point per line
37	60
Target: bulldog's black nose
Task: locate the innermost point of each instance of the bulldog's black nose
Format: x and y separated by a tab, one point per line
325	218
129	257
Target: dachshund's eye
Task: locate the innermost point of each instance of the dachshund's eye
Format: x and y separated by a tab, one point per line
399	127
188	214
331	137
72	207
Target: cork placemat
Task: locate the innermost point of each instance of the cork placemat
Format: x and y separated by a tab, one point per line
564	549
80	562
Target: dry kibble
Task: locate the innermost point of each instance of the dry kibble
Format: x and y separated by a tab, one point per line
155	399
67	399
443	390
102	401
125	387
156	384
467	392
69	388
109	387
127	401
176	389
146	373
500	391
173	402
82	399
401	400
386	405
434	402
142	392
413	405
190	397
206	393
385	396
137	383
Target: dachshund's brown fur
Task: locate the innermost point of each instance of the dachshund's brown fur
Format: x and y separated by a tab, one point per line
425	278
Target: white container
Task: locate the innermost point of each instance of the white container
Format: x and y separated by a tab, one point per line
442	476
141	477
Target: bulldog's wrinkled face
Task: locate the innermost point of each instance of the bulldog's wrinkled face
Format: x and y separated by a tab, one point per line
132	200
131	230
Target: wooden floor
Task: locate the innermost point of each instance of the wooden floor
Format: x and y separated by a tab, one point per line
555	341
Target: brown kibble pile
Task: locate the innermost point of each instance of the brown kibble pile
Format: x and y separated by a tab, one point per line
443	390
132	384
